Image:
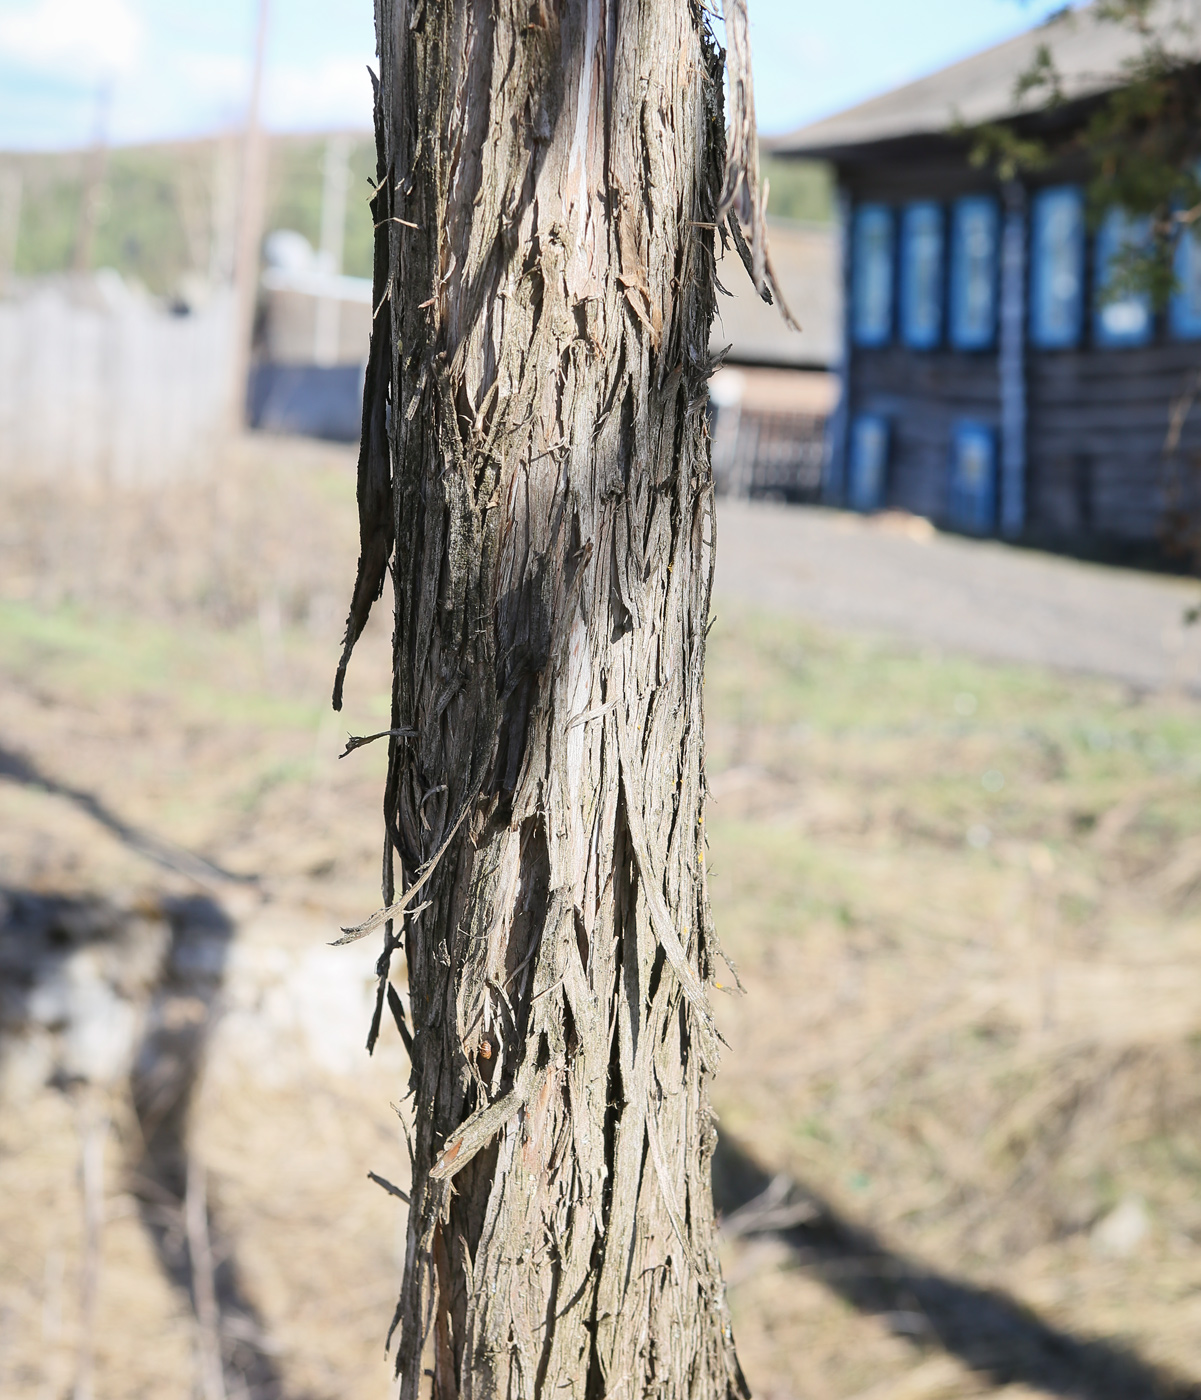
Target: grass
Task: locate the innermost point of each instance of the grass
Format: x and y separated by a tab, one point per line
194	630
945	743
202	675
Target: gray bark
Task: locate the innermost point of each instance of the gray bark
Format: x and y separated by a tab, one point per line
535	453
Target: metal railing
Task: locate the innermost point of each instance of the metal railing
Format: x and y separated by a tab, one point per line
779	456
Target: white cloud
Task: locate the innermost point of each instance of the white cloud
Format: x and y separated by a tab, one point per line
336	93
70	38
215	79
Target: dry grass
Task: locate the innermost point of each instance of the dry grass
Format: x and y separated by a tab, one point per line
169	658
964	901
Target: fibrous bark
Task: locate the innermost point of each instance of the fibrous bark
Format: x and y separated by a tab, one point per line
551	174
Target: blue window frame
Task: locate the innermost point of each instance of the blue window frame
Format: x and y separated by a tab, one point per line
1184	308
872	275
975	259
1126	319
869	461
921	275
972	494
1057	268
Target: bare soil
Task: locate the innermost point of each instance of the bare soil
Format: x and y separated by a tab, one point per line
895	575
960	1147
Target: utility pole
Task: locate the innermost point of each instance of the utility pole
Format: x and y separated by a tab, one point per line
251	203
10	221
223	214
335	189
93	184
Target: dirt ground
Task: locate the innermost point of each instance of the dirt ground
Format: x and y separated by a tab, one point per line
960	1129
895	575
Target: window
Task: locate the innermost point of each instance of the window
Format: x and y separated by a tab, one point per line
872	275
1184	309
975	241
972	497
869	461
921	275
1125	319
1057	268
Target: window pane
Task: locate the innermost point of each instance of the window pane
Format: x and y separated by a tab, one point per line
1125	320
1057	271
975	241
1184	310
872	275
869	461
972	497
921	275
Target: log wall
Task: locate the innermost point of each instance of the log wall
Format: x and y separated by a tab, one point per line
1097	417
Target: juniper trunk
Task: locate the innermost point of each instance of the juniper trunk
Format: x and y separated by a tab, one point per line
550	175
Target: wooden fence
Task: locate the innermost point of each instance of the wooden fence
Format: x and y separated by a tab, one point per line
100	384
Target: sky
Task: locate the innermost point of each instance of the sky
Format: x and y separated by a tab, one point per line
157	69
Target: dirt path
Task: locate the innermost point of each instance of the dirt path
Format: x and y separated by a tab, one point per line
895	575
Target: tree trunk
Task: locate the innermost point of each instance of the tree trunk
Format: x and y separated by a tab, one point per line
536	451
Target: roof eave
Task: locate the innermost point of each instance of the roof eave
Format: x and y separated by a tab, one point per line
1041	121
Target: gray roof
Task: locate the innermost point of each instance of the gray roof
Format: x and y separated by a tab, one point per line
1088	52
805	258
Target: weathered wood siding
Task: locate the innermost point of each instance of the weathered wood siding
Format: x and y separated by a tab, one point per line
100	385
923	394
1098	423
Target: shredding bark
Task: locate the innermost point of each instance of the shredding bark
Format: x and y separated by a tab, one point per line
555	172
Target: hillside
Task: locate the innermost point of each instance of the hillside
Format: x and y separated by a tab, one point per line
166	211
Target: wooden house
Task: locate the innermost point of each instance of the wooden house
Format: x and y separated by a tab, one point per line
989	380
772	399
312	334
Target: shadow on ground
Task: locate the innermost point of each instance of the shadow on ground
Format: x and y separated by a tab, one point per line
167	1178
125	999
990	1332
17	768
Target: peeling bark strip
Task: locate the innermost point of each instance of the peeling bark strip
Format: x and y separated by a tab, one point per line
376	518
743	203
554	173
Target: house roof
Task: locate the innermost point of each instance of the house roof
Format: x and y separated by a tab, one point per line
1089	53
